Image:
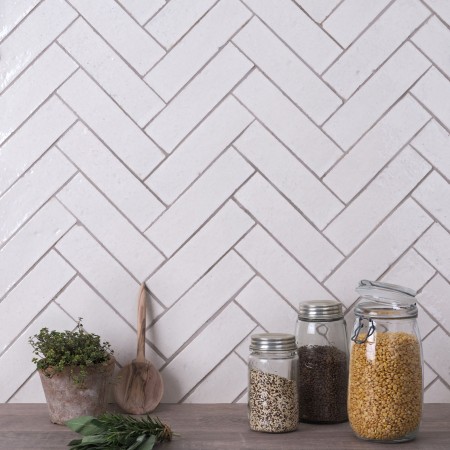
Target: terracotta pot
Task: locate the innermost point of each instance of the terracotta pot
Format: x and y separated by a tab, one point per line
65	400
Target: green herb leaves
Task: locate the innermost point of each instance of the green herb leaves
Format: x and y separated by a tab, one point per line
77	349
118	432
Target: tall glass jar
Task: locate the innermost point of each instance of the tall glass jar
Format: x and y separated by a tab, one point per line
321	339
272	388
385	384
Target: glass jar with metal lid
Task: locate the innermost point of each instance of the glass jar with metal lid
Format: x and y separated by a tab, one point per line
272	388
385	383
321	338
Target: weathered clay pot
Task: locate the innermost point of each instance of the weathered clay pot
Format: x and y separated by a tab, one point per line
65	400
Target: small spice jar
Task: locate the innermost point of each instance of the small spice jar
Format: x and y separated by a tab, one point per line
272	388
385	384
321	339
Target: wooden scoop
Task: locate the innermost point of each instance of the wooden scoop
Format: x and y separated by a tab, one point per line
139	386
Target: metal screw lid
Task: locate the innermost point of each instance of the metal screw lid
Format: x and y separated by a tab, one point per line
320	311
272	342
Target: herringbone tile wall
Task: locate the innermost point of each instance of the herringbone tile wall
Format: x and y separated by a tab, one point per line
237	155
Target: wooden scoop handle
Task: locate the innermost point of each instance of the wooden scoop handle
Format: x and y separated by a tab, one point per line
141	323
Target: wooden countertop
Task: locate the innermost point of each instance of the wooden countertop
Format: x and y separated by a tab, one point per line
209	427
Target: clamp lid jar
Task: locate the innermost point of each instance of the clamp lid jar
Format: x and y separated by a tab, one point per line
386	367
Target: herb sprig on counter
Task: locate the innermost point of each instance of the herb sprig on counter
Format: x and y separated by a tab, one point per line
118	432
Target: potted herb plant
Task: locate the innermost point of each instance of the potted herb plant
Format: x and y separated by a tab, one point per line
75	369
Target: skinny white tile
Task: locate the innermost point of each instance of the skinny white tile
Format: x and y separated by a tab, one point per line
110	227
192	261
199	97
31	242
199	202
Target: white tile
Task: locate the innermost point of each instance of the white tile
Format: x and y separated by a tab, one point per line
200	303
31	295
438	359
425	321
267	308
438	392
79	300
378	252
31	140
111	124
199	149
435	298
197	204
176	19
434	196
32	88
313	199
411	271
382	195
371	49
12	13
432	39
230	375
292	25
215	342
104	273
358	13
200	253
318	10
287	71
374	98
35	238
433	143
121	83
272	262
434	246
142	11
433	90
31	37
243	349
441	8
30	392
288	226
376	148
122	32
112	229
197	47
288	123
19	355
428	375
32	191
198	98
112	177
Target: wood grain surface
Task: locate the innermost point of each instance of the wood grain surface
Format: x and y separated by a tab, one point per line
210	427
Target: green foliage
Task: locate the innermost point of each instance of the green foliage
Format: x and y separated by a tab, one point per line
118	432
78	349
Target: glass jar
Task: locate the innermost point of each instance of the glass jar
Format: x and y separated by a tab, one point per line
272	388
385	384
321	338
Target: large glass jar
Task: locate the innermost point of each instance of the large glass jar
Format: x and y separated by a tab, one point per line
321	339
385	383
272	388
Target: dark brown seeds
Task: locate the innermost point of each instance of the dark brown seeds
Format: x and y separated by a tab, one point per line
322	384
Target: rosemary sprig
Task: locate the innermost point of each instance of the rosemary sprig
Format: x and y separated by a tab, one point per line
118	432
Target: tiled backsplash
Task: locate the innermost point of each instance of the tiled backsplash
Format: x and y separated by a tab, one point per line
238	156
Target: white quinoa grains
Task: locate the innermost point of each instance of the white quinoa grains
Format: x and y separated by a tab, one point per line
385	386
273	403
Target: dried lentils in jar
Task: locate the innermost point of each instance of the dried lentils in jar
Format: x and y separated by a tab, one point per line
385	391
386	367
272	390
